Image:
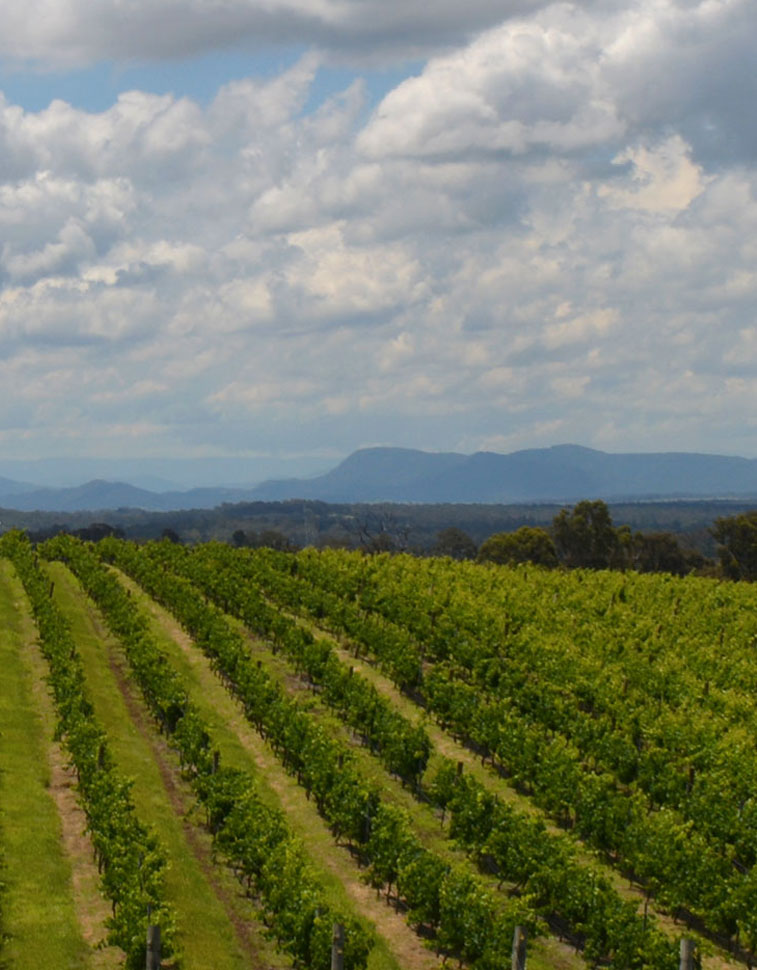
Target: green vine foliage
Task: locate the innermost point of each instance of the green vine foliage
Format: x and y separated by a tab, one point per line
254	839
622	704
520	850
323	765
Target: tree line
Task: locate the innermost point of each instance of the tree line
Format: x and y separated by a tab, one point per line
585	537
580	537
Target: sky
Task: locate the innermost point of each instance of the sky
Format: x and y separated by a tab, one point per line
282	230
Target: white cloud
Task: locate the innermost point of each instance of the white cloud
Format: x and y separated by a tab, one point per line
570	387
529	84
76	32
575	76
668	181
64	256
513	247
586	326
397	351
333	279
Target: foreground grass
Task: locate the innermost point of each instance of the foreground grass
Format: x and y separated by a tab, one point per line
40	904
206	933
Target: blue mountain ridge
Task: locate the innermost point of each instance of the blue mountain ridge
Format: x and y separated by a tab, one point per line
561	473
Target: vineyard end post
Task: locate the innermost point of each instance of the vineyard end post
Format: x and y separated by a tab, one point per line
687	954
153	948
519	949
337	947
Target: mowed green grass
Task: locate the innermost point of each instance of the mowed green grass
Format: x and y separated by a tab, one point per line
39	900
206	934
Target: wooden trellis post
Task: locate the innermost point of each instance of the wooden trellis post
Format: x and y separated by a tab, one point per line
337	947
519	949
153	948
687	954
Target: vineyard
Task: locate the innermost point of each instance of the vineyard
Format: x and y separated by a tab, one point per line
245	748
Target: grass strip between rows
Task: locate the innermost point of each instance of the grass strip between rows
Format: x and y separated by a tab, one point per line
38	907
253	837
448	901
131	860
579	902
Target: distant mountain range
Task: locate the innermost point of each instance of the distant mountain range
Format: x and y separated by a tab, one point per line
99	494
563	473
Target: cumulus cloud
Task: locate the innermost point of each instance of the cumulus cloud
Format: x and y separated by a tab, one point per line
573	77
75	33
518	245
527	84
667	178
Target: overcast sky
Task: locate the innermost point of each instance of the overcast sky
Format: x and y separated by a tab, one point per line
292	228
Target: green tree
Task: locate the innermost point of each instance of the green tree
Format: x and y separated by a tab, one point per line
273	539
528	544
737	536
586	538
658	552
455	543
97	531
